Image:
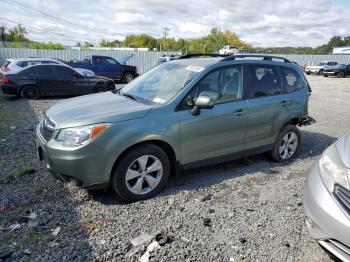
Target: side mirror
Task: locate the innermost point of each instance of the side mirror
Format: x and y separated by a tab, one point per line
205	100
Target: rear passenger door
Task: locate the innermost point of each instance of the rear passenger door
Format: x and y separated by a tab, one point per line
267	104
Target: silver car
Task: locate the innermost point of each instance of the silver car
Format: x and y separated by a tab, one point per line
327	199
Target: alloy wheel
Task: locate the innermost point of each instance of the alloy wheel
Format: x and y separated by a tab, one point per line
144	174
288	146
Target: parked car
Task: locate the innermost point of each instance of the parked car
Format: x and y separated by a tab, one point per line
51	79
318	69
108	67
228	50
181	114
327	199
14	65
340	70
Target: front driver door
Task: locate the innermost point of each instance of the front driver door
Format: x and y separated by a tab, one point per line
219	131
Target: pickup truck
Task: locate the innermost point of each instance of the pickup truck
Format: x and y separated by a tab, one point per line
108	67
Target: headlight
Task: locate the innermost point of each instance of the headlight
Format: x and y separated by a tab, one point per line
78	136
332	169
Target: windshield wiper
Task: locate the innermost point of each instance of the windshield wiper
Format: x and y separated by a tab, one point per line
130	96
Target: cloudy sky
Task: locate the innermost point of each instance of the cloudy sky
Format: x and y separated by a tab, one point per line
260	23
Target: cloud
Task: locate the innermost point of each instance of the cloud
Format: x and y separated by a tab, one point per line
268	23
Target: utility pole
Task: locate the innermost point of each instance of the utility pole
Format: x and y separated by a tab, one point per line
165	34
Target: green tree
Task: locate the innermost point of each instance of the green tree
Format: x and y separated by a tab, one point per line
17	34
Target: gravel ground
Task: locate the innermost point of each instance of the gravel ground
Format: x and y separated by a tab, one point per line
253	206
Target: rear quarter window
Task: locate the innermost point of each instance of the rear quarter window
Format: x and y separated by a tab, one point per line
292	80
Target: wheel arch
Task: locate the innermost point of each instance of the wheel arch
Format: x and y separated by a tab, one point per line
166	147
34	85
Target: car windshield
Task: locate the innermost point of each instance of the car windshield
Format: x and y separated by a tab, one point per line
161	83
322	64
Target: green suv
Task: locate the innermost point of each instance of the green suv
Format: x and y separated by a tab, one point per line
189	112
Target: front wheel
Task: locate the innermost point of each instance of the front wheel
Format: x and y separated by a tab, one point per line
128	77
341	74
100	88
287	144
141	173
320	72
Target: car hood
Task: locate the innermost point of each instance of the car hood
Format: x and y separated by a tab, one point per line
107	107
343	148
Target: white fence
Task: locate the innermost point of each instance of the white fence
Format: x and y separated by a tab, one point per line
143	60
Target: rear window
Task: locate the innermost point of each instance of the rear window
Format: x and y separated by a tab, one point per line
292	80
263	80
6	63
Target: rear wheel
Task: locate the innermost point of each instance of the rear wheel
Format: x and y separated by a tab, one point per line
287	144
308	73
30	92
128	77
141	173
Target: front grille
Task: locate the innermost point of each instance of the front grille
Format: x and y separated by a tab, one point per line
343	197
46	134
47	127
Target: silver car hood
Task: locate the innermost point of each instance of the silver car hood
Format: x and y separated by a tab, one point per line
343	148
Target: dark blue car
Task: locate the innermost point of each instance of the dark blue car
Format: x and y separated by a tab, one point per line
108	67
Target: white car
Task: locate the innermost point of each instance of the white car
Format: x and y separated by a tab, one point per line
318	69
228	50
17	64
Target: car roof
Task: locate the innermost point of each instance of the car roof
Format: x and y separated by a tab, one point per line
30	59
206	62
203	62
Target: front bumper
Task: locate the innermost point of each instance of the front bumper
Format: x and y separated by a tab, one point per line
10	89
325	219
86	167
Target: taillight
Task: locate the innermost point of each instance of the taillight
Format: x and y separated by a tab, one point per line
4	80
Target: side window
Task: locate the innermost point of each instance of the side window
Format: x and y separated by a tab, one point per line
45	71
263	81
64	72
223	85
110	61
292	79
28	72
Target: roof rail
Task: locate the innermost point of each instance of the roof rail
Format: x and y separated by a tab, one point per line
265	57
201	55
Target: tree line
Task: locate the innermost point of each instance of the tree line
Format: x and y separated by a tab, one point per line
17	37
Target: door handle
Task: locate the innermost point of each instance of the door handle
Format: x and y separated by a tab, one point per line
238	112
285	103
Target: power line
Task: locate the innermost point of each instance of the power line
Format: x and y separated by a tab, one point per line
48	31
49	15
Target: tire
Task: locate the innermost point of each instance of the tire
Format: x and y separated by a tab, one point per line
284	149
320	72
341	74
308	73
127	188
128	77
100	88
30	92
325	75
